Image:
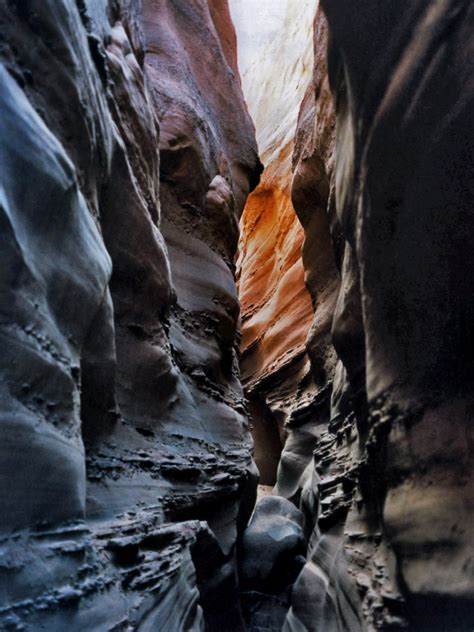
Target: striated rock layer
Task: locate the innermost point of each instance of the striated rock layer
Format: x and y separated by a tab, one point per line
127	154
380	458
276	306
391	484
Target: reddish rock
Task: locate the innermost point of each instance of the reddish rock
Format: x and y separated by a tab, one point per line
276	306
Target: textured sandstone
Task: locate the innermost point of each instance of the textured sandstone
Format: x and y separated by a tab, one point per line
126	476
392	472
122	410
276	306
385	200
409	235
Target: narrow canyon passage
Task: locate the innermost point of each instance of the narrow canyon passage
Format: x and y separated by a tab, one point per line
286	363
236	314
276	309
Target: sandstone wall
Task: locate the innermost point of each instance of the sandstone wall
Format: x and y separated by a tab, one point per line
372	392
126	159
391	483
125	461
276	306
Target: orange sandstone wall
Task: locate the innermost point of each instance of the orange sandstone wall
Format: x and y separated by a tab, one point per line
276	317
276	307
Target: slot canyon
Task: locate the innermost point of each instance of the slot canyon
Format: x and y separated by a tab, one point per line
236	316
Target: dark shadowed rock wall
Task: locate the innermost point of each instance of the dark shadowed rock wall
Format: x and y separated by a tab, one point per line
390	491
125	458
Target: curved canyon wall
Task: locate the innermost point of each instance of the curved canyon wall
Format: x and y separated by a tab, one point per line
381	464
126	473
127	154
404	191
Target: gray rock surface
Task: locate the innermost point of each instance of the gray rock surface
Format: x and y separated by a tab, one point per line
126	473
271	556
272	539
391	475
380	458
125	459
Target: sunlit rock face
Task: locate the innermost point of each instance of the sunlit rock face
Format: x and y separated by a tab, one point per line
391	487
276	306
125	457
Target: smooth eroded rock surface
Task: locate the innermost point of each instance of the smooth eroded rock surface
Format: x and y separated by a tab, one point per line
276	305
274	535
380	460
127	154
392	470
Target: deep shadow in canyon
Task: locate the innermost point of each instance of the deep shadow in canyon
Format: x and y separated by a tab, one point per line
168	287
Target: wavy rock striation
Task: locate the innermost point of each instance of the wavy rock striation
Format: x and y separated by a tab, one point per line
126	476
403	92
392	468
276	306
380	457
127	154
